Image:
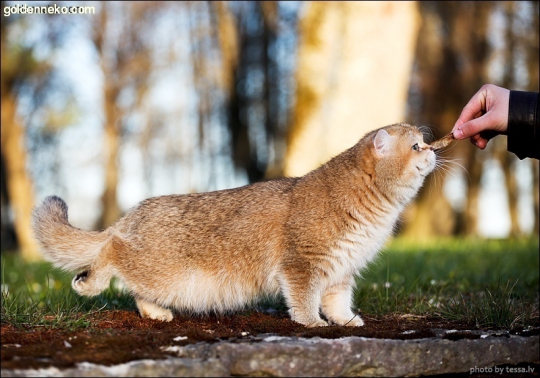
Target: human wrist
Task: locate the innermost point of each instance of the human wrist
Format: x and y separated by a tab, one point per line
522	122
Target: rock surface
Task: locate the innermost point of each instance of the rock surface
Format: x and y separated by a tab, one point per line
291	356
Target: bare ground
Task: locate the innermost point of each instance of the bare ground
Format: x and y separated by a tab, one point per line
120	336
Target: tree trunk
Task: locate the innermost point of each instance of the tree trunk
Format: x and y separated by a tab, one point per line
111	211
452	58
18	181
228	43
352	76
472	208
536	195
507	161
505	158
533	69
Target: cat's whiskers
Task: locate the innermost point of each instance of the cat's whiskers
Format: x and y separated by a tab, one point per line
459	165
443	168
449	167
427	132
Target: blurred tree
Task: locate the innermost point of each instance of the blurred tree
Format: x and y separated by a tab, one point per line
519	53
507	160
251	78
121	34
530	47
19	195
203	59
451	64
22	72
352	76
248	37
533	52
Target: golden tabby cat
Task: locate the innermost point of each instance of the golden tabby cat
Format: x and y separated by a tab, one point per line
306	237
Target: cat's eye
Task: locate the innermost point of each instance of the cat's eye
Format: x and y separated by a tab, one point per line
415	147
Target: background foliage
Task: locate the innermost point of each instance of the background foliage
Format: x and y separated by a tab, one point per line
140	99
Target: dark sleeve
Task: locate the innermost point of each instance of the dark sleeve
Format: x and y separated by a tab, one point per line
523	129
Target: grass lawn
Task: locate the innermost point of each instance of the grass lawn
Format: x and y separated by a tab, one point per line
489	283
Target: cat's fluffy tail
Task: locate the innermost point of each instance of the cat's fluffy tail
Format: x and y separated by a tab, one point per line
62	244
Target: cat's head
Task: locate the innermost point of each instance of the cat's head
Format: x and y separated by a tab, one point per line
402	158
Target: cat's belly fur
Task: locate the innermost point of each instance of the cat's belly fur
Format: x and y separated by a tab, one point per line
200	292
227	283
195	290
356	248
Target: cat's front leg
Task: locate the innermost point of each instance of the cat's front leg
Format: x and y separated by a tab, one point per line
303	300
336	305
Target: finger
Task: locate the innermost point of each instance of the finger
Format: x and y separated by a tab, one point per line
478	141
489	134
473	127
474	139
474	108
481	143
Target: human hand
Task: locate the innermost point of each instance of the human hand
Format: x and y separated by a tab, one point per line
484	116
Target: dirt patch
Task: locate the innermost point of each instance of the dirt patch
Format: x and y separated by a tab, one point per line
121	336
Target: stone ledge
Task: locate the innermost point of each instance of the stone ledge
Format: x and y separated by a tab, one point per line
290	356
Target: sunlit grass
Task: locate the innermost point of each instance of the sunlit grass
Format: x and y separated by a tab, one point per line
491	283
38	294
488	283
497	308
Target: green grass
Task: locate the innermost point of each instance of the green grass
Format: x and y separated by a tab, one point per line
489	283
36	294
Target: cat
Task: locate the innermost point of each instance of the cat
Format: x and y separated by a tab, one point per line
304	237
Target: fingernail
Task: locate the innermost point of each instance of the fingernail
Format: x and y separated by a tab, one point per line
459	133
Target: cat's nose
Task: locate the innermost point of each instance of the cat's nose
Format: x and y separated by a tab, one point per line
425	146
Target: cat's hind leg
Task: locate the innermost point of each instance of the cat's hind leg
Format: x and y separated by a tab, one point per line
336	305
97	277
94	280
153	311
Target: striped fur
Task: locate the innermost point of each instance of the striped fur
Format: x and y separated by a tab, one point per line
304	237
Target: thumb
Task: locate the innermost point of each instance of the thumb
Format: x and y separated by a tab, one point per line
473	127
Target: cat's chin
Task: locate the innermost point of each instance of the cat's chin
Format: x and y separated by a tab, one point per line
424	172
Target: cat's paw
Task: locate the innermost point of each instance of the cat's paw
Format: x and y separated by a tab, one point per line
356	322
317	323
161	314
153	311
166	316
353	321
309	321
82	285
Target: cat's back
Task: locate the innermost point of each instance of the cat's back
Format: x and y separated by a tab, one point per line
224	213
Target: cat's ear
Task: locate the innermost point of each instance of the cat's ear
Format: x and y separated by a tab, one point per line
382	142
